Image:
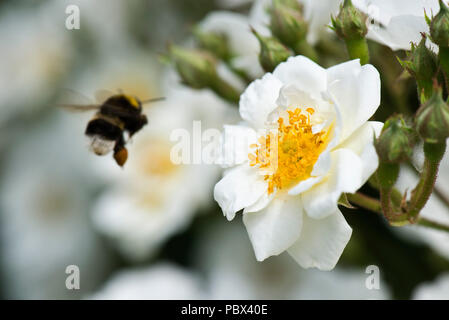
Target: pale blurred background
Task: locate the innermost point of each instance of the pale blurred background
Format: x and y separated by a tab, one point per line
151	230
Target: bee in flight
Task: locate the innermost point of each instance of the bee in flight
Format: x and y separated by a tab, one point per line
118	114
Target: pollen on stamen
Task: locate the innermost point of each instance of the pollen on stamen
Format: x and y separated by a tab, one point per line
289	155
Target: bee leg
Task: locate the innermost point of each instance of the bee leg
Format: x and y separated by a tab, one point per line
120	152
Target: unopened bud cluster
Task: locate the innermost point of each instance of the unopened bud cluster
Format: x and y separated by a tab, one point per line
350	23
439	26
287	22
396	141
432	119
272	52
197	68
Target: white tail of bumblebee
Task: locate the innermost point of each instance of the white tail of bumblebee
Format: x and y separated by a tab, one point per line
101	146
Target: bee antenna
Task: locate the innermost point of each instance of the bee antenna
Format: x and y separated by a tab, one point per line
153	100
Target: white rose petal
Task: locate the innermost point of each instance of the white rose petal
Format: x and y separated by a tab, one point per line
275	228
321	242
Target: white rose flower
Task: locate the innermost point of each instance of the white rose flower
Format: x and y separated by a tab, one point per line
399	22
242	42
320	144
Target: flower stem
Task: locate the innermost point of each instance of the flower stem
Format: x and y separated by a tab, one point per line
365	202
358	49
304	48
420	195
374	205
432	224
395	195
225	90
385	202
239	73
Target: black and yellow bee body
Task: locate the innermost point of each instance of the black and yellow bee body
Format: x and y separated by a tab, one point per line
118	115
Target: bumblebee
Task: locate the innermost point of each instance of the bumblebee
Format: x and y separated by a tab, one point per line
118	115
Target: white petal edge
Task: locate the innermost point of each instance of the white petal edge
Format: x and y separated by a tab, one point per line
275	228
305	74
356	93
304	185
260	204
235	145
400	32
321	242
362	143
259	100
240	187
345	175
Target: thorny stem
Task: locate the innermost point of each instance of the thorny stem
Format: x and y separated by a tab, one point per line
385	202
374	205
395	194
240	73
438	193
421	194
391	200
424	188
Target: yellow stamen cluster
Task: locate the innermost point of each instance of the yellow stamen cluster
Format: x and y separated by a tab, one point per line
288	155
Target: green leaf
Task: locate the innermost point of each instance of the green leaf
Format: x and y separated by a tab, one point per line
343	201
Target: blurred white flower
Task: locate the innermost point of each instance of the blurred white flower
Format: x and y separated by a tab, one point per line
224	256
128	69
106	20
35	55
227	271
436	290
45	195
159	282
301	111
154	198
399	22
317	14
244	45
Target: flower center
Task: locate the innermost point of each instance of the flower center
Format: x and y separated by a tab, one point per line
155	159
288	155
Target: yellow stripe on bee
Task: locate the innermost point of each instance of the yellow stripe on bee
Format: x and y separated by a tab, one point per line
132	101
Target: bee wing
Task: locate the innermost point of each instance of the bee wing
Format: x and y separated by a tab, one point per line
102	95
74	101
79	108
147	102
